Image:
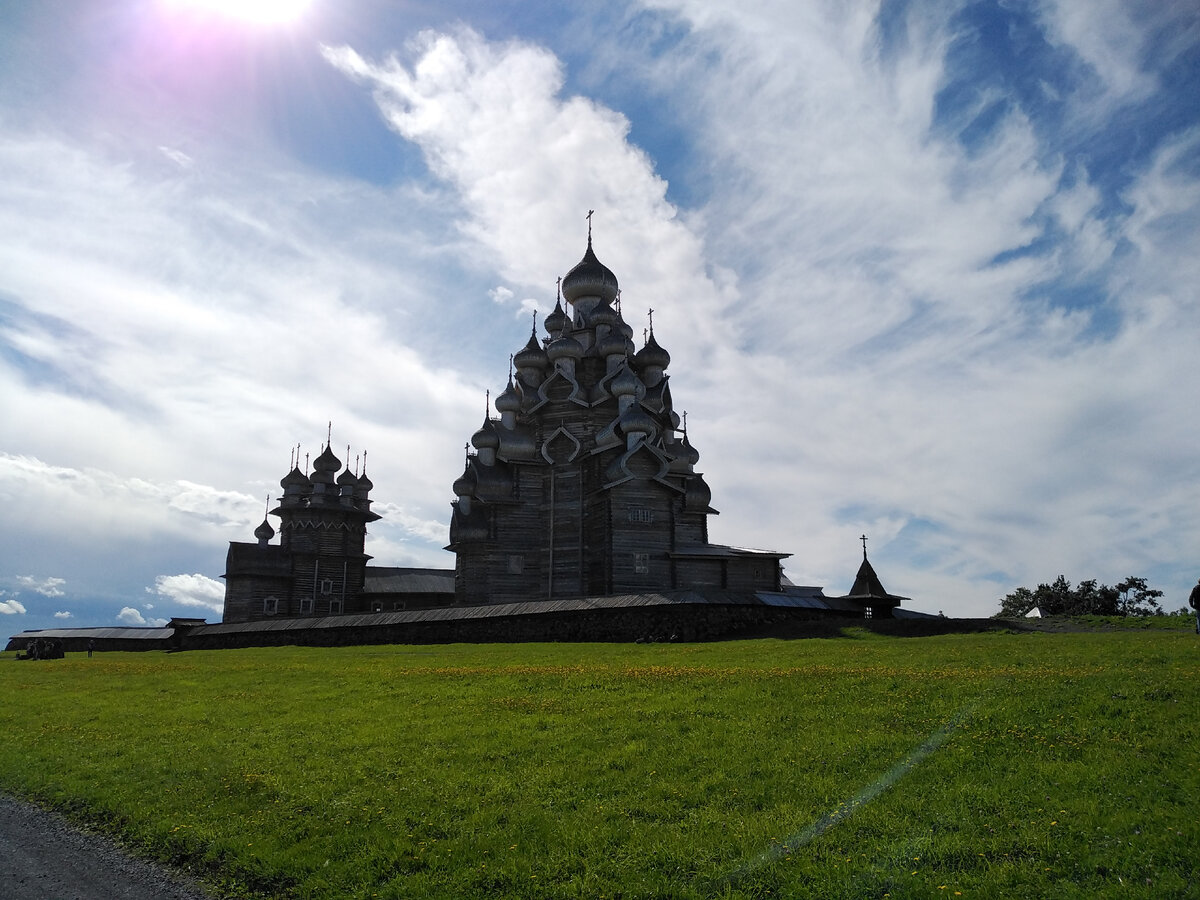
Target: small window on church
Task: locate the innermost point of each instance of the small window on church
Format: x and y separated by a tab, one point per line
516	564
306	606
641	563
270	606
867	612
639	515
398	605
376	606
335	607
326	587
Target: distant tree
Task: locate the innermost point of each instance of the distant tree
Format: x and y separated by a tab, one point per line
1131	597
1137	599
1017	604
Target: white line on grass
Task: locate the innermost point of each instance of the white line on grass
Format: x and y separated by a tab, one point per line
847	808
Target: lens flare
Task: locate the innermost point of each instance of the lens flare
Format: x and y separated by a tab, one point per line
259	12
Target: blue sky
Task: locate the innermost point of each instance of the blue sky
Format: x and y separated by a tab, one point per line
926	271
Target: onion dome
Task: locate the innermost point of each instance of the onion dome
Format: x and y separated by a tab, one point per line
626	384
603	314
652	355
294	479
532	356
624	327
486	437
636	420
347	478
590	278
325	465
697	494
509	400
555	321
565	346
686	453
464	485
612	344
264	532
365	484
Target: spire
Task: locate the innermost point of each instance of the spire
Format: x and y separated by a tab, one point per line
863	538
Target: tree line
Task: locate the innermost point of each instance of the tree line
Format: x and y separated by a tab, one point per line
1131	597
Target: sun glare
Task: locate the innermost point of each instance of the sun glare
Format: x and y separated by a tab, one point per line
263	12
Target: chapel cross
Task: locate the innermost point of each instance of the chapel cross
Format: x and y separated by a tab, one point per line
591	212
864	540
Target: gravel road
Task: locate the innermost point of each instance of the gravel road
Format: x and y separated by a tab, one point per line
44	857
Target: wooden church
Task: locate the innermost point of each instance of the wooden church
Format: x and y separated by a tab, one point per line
586	483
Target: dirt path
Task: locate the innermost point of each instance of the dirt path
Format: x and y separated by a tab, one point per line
45	857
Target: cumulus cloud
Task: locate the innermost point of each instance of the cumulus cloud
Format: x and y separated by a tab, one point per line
62	614
528	162
189	590
130	615
47	587
11	607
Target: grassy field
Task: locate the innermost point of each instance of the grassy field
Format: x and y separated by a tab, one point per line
987	765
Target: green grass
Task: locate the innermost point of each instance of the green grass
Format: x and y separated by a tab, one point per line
1063	765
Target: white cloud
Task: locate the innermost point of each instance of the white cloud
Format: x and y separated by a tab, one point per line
11	607
47	587
190	590
178	157
109	505
129	615
62	614
528	163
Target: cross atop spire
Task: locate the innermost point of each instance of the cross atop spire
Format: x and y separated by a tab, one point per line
591	212
557	289
863	538
651	315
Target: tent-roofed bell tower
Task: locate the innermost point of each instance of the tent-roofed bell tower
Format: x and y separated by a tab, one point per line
870	592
